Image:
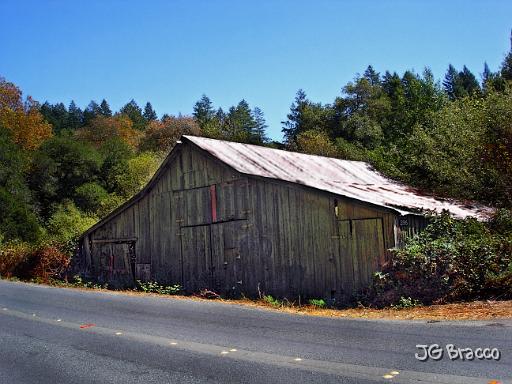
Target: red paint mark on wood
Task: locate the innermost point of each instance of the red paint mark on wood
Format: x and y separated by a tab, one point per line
213	200
88	325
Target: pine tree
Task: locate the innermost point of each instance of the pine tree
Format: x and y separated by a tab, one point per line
506	66
105	108
259	134
468	82
371	75
75	116
450	82
204	112
292	127
241	124
92	110
134	113
149	113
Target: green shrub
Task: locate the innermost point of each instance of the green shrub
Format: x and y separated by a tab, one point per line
154	287
406	302
67	223
450	260
320	303
269	299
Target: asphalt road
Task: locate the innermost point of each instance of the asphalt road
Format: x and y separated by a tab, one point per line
56	335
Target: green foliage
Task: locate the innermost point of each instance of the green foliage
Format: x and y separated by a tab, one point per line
17	219
116	154
406	302
60	166
269	299
78	281
450	260
89	196
134	113
319	303
154	287
67	223
138	173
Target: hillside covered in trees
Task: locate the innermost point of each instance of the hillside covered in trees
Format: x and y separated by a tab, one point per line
62	167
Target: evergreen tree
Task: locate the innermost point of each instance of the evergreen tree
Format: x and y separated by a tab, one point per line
292	127
241	124
204	112
506	66
75	116
259	134
56	115
372	76
468	82
105	108
92	110
149	113
451	82
134	113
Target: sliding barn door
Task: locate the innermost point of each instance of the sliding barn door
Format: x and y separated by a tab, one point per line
226	256
196	257
361	244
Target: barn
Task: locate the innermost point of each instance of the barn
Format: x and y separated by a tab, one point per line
244	219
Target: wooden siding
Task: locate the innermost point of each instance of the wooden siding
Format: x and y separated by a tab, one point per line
203	225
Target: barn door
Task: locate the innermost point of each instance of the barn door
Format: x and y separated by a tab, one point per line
115	261
361	248
196	257
226	256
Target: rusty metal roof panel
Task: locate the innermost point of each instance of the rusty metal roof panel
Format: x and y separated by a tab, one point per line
353	179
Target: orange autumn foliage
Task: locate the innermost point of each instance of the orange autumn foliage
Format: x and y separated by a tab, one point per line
22	119
103	128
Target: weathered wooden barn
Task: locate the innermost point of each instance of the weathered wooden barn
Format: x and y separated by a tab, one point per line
238	218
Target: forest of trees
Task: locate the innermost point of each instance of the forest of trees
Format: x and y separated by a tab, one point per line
62	167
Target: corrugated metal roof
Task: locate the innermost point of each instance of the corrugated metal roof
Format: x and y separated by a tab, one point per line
353	179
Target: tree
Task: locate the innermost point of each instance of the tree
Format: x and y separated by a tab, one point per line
116	153
101	129
22	118
161	136
56	115
316	142
451	82
89	197
140	170
492	81
149	113
372	76
59	166
204	112
506	66
105	109
293	126
92	110
134	113
67	223
259	132
75	117
460	84
469	82
17	217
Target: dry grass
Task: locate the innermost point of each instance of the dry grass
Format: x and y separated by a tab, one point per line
476	310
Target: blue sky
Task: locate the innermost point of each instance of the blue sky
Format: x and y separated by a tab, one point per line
171	52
